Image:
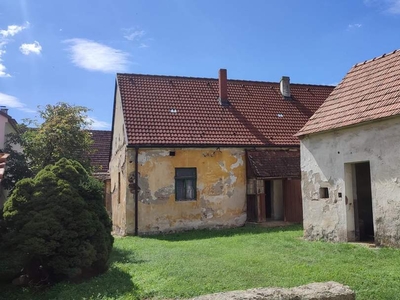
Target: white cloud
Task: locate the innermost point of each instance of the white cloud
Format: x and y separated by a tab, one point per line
13	102
133	34
393	7
143	45
94	56
27	49
13	29
96	124
2	66
3	72
354	26
389	6
4	34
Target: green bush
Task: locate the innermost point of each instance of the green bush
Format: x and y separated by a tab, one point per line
56	225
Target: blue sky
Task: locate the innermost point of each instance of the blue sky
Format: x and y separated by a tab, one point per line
70	51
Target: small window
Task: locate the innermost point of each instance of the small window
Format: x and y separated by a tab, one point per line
185	184
323	193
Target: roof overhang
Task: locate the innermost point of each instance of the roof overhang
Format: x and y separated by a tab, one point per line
273	164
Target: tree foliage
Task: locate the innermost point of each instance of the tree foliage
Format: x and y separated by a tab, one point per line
56	222
61	135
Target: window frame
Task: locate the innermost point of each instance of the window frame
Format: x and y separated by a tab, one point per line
184	178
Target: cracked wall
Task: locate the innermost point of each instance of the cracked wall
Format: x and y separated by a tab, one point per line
326	160
221	189
121	201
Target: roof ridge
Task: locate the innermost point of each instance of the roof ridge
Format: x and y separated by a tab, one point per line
216	79
376	58
99	130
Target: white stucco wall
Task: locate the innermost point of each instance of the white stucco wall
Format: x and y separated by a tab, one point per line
326	160
3	122
6	128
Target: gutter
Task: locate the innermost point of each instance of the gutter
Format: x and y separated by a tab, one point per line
136	190
183	146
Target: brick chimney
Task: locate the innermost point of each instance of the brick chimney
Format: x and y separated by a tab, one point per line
223	87
285	87
4	109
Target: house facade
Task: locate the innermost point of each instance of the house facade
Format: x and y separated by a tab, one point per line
7	125
350	163
181	146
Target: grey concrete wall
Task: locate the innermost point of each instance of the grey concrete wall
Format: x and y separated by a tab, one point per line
326	161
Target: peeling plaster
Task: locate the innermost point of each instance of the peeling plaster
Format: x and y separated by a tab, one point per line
146	156
324	158
221	190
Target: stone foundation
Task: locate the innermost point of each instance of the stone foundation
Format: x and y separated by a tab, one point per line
314	291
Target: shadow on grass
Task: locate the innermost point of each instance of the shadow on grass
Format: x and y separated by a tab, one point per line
113	284
217	233
119	255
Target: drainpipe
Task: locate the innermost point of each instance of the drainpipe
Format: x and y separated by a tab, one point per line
136	189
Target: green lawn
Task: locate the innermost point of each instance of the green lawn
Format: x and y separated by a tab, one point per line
201	262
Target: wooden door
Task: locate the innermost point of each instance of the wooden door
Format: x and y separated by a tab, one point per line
251	208
292	202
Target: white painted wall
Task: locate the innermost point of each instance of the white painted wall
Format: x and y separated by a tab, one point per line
3	122
323	160
6	128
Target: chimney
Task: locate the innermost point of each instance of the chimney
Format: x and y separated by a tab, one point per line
285	87
223	88
4	109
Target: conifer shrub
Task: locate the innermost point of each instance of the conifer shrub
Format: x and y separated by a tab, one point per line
55	226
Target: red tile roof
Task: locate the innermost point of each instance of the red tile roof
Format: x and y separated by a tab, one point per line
274	163
101	145
369	91
184	111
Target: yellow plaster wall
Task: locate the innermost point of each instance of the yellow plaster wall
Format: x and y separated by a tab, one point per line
221	189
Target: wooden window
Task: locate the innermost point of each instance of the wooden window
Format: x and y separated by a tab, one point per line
251	187
185	184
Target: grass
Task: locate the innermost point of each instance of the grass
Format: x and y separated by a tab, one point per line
201	262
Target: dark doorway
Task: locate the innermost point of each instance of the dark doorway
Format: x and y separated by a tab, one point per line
363	204
268	199
251	208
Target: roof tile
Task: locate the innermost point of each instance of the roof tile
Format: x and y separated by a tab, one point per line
168	110
274	163
101	145
369	91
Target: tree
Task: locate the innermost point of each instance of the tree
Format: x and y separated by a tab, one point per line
61	135
56	226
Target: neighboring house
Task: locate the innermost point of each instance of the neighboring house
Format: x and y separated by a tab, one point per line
99	159
201	153
350	158
7	125
3	193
